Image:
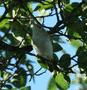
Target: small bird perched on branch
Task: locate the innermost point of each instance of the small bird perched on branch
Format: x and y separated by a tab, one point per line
43	46
42	42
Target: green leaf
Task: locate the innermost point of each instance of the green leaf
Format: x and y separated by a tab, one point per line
75	43
1	74
56	59
84	36
65	61
75	27
23	59
80	50
25	88
70	7
18	29
8	86
67	10
37	8
3	23
56	47
13	89
72	10
52	84
82	60
42	63
66	1
61	83
12	39
45	6
5	76
20	78
29	5
67	78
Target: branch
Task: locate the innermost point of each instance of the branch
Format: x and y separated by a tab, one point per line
56	28
56	11
5	46
45	16
51	64
59	5
69	36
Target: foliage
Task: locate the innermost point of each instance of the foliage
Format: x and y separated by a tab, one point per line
16	41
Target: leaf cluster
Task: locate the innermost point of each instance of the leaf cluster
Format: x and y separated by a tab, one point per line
16	41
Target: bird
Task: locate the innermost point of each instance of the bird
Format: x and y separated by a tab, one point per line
43	46
42	41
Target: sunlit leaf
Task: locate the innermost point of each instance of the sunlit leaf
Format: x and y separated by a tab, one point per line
45	6
75	43
61	83
29	5
25	88
3	23
6	75
52	85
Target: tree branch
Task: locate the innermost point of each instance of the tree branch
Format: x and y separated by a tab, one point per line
5	46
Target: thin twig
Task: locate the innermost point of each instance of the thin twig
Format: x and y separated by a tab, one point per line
45	16
56	12
41	73
74	65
